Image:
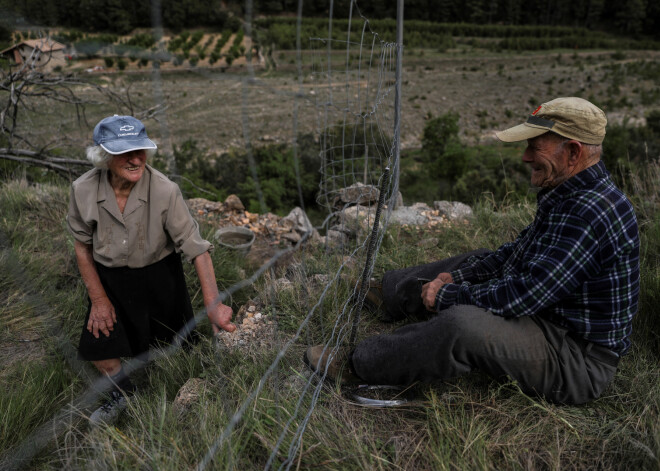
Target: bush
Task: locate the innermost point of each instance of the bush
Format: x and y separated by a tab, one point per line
438	132
233	23
109	61
277	177
445	168
142	40
201	173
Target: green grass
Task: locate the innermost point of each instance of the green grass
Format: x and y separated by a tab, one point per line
471	422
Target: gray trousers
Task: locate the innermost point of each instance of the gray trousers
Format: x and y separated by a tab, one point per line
543	358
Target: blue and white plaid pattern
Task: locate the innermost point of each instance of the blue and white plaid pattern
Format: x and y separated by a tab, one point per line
576	265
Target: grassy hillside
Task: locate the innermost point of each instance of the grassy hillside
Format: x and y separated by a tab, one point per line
467	423
474	78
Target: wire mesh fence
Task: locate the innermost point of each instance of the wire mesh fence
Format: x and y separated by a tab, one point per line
350	98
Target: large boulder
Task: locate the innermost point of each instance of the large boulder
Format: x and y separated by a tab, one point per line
362	195
336	238
297	221
234	203
296	224
453	210
411	215
357	194
356	221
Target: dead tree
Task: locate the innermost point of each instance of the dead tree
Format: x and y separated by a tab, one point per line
25	87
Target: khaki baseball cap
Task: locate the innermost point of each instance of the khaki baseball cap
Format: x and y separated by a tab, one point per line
571	117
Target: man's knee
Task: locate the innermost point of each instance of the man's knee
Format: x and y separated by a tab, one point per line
422	351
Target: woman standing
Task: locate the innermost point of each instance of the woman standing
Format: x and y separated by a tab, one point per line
130	225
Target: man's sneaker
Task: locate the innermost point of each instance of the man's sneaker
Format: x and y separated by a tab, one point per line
374	297
336	369
110	410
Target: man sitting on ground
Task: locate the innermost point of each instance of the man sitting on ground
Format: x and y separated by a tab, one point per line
552	310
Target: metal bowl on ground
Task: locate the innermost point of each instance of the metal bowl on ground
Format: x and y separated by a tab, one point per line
235	238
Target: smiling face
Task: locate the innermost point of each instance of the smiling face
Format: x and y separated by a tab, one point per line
548	156
127	169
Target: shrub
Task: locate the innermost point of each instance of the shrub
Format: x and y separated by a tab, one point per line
438	132
445	168
143	40
233	23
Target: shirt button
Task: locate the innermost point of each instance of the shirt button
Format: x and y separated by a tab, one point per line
124	241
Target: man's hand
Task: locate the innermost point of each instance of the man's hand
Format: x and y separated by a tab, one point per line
102	317
220	317
430	290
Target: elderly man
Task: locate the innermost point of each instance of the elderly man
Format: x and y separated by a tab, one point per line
552	310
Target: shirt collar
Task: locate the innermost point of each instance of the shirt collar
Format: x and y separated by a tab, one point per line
546	198
139	194
141	189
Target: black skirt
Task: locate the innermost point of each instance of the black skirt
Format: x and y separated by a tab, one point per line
151	304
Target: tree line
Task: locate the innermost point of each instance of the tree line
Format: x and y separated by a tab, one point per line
630	17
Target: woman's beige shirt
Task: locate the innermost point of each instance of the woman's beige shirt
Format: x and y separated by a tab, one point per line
155	222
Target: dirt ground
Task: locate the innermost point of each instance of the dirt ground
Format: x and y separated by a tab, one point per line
489	91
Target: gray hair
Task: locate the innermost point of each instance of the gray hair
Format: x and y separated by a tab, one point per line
592	151
100	157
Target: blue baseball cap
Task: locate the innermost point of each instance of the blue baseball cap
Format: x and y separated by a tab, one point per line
120	134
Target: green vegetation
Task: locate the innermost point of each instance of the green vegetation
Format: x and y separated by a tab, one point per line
142	40
447	169
204	175
467	423
635	18
426	34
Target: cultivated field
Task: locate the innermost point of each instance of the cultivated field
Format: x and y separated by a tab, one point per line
489	91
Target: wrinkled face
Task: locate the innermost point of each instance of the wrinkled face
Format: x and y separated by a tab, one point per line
548	158
127	169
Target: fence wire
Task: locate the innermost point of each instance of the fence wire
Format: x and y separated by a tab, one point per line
351	100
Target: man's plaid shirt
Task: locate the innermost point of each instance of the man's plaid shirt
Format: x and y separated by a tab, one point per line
576	265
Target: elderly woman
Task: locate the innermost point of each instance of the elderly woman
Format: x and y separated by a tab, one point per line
130	224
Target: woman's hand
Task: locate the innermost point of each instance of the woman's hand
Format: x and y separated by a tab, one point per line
220	317
430	290
102	317
219	314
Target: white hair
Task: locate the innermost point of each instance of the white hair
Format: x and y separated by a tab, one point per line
594	151
100	157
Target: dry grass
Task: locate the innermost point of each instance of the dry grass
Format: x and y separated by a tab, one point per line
468	423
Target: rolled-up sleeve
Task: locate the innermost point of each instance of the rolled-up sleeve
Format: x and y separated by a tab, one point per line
183	229
79	229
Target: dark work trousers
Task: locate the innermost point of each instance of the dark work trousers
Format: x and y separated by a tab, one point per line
543	358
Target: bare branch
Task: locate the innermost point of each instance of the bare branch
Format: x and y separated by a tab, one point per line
41	163
43	157
26	89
